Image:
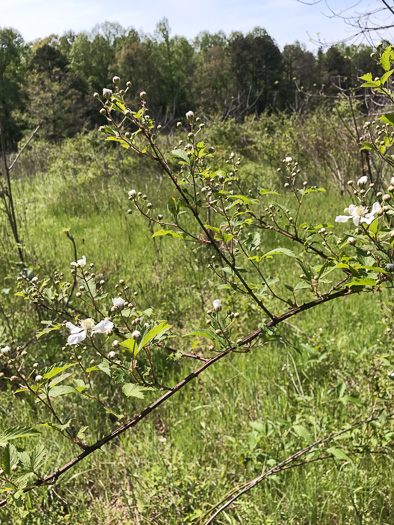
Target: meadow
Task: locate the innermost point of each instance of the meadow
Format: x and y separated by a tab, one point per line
327	369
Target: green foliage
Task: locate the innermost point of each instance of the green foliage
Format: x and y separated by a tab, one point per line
230	281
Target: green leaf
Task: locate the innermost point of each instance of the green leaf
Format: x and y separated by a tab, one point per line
59	379
367	77
162	233
17	432
62	390
181	155
339	454
91	369
130	344
386	58
154	332
105	367
133	390
56	370
9	458
256	425
386	76
208	333
279	251
268	192
388	119
363	282
49	329
213	228
303	432
311	190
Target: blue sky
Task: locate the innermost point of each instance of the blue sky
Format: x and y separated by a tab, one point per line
285	20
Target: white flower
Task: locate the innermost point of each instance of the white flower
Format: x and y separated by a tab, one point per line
190	116
116	80
78	333
351	240
362	181
111	354
132	194
118	303
38	379
34	280
288	159
217	305
359	214
136	334
5	350
81	263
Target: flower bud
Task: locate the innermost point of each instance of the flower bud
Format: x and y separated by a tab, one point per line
116	80
107	93
190	116
111	354
38	378
136	334
143	95
351	240
362	181
6	350
217	305
386	197
96	95
389	267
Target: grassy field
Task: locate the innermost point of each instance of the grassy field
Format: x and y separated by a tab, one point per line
235	420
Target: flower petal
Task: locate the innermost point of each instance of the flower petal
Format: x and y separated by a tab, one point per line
375	208
368	218
73	329
342	218
102	327
76	338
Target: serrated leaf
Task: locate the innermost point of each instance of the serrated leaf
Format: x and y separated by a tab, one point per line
59	379
56	370
154	332
181	155
386	58
105	367
130	344
17	432
208	333
133	390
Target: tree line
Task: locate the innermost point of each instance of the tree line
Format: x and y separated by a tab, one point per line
51	80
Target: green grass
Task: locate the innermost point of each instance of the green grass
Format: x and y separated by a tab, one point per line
188	454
